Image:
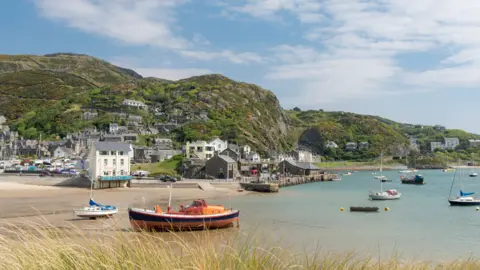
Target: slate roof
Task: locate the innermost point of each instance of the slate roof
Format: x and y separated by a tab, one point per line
112	146
227	159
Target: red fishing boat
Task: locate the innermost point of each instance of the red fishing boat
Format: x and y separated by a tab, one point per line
196	216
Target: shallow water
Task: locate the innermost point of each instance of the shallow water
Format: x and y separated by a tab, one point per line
421	225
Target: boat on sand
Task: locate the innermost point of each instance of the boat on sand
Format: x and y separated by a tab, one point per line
96	210
196	216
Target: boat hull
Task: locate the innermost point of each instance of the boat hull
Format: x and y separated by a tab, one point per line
149	220
412	182
363	209
383	197
95	214
464	203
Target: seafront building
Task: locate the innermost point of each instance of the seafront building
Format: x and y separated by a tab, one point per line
109	164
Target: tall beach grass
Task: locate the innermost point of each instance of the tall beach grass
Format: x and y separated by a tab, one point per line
39	246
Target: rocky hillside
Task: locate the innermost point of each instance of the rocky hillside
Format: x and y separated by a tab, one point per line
49	94
316	128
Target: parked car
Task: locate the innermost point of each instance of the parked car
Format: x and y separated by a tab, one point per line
166	178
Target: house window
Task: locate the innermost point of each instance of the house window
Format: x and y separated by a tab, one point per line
103	153
105	173
105	162
120	153
122	162
208	156
114	162
114	173
199	149
113	153
209	148
122	172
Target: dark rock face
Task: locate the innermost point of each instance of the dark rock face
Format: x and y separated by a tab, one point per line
312	140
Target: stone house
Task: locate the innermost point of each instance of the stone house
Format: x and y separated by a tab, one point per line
62	152
363	145
230	153
298	168
301	156
351	146
222	167
134	104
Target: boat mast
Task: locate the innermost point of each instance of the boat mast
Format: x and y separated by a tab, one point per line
451	187
169	198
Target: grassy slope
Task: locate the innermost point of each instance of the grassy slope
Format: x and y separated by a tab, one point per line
167	167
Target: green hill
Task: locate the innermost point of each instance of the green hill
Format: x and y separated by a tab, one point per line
48	94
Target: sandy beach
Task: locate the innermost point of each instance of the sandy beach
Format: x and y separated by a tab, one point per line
53	206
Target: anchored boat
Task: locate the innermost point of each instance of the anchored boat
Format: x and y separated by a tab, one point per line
413	180
363	209
464	199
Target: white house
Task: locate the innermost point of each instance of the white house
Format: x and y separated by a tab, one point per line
436	145
302	156
62	152
253	157
245	150
134	103
331	144
474	143
112	128
451	143
199	149
109	161
219	145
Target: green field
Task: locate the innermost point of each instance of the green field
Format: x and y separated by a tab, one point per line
167	167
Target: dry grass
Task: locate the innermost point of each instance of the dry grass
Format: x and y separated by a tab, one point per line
35	246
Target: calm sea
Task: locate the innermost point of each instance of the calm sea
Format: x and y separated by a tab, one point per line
420	225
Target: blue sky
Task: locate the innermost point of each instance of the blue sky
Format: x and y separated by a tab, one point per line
415	61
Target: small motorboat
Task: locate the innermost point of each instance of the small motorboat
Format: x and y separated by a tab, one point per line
380	177
363	209
95	210
197	216
390	194
474	174
347	173
336	178
413	180
385	180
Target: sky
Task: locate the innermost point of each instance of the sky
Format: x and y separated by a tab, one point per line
413	61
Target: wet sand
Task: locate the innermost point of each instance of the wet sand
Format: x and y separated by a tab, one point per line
53	206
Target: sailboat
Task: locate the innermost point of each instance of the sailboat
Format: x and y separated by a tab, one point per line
473	173
390	194
381	177
95	210
464	199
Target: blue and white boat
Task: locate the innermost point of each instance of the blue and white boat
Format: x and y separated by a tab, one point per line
464	198
95	210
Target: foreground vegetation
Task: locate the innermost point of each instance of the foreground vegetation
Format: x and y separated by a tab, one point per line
35	247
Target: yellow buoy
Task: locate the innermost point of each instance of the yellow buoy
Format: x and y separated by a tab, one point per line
387	209
341	209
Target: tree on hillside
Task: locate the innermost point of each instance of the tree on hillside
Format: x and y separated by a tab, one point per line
297	109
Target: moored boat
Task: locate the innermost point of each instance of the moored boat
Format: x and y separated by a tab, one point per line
413	180
197	216
474	174
363	209
464	198
390	194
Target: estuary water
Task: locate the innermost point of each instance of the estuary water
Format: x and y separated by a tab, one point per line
421	225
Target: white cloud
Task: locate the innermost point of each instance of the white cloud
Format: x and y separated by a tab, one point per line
357	45
130	21
135	22
172	73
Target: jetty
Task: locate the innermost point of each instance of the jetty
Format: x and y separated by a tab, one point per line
274	185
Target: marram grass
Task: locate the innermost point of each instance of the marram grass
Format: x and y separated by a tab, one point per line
35	246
